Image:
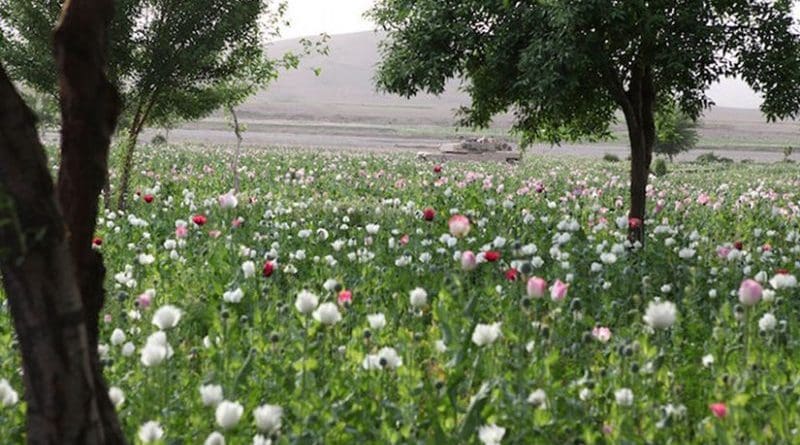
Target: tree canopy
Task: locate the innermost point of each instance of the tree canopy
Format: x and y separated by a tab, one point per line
171	60
560	65
565	68
179	59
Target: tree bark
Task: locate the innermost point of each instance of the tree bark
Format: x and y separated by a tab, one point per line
640	171
90	106
237	130
139	120
638	106
53	279
42	290
127	168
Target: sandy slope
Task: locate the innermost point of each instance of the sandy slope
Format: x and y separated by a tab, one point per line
341	109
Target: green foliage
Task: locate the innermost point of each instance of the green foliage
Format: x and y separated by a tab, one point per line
172	61
262	350
660	167
787	153
565	67
159	139
676	132
45	106
712	158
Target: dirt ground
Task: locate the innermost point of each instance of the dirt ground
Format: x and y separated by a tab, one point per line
379	140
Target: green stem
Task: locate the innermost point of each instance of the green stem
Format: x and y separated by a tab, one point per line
163	390
746	337
305	356
722	436
225	349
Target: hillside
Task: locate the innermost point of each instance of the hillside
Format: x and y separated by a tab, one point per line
341	107
345	90
346	86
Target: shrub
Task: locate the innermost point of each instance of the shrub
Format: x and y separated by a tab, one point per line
787	153
676	132
660	167
711	158
159	139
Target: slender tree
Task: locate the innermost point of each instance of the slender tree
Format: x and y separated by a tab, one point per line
566	67
52	278
171	60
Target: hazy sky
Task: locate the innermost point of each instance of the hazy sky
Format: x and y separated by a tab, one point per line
310	17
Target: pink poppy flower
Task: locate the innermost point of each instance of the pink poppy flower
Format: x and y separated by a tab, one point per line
345	297
469	261
459	226
720	410
536	287
559	290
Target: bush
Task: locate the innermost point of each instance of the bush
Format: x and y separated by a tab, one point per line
711	158
660	167
676	132
787	153
159	139
608	157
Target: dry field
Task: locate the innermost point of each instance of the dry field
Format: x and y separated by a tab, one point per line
340	109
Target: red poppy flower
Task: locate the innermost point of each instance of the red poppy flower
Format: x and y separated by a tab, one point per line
512	274
437	169
199	220
148	198
492	256
97	241
738	245
634	223
428	214
269	268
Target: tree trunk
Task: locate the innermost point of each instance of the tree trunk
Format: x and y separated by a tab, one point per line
42	291
53	279
638	105
129	148
237	130
640	171
90	107
139	120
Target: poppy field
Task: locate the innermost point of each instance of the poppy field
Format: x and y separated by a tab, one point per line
351	298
